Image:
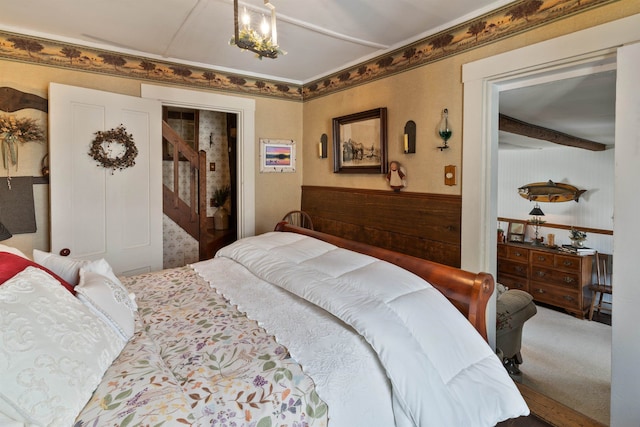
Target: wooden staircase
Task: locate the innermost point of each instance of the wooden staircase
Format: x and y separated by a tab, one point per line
191	216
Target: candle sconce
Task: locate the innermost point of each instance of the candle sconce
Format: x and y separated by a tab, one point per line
322	147
410	137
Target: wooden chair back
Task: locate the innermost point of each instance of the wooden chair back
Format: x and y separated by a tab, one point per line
299	218
603	284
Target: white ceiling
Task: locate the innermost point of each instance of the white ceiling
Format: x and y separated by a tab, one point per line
580	106
320	38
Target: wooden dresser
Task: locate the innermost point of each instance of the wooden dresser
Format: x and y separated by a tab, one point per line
551	276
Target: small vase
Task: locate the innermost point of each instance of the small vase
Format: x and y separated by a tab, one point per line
577	243
221	219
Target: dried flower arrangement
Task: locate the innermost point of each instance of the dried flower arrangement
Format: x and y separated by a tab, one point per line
16	130
577	234
220	195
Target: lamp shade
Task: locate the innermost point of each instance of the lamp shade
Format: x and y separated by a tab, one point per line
536	211
4	233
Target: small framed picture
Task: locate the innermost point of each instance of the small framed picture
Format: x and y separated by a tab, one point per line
516	231
277	155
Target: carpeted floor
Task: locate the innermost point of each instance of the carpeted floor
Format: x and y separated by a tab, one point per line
569	360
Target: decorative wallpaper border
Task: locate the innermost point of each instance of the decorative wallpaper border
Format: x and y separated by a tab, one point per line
517	17
507	21
50	53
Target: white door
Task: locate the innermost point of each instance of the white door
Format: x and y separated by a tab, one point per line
96	212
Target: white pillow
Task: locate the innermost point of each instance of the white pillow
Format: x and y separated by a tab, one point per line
102	267
69	268
12	250
109	299
53	350
65	267
6	421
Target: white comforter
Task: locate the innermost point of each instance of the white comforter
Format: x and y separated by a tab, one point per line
441	371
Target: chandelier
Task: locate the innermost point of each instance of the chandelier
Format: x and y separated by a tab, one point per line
254	32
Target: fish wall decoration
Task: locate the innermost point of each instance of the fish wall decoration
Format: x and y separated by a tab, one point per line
550	192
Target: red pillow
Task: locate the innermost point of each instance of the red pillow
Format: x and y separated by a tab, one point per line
11	264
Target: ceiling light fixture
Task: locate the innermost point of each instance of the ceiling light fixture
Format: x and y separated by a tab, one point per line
254	32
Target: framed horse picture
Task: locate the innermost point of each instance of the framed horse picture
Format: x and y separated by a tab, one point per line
360	142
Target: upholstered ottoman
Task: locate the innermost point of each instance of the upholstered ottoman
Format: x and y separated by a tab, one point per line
513	308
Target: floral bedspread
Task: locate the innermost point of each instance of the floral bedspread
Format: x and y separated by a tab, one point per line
196	360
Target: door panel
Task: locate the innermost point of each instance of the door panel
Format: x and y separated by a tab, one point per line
97	212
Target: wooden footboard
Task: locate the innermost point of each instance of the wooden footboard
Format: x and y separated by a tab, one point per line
469	292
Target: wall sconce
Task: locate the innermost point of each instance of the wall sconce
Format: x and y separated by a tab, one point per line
536	212
444	130
322	146
410	137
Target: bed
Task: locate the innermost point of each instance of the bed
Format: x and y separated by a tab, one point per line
288	328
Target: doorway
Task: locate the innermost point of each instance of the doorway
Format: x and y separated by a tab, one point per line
482	80
244	109
581	106
213	133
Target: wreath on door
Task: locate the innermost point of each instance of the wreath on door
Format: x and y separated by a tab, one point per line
101	149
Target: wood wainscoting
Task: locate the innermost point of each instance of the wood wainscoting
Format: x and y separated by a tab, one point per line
418	224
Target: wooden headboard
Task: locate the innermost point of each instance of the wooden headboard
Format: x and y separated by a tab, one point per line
469	292
418	224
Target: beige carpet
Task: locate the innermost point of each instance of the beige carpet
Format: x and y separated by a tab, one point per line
569	360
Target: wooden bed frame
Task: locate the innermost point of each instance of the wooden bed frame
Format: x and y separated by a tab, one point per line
469	292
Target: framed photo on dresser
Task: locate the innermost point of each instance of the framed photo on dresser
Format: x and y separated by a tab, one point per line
516	231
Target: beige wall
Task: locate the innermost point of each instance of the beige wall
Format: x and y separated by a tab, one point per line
276	194
420	95
414	95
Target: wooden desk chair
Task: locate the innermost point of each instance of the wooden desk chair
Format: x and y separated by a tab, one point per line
602	287
299	218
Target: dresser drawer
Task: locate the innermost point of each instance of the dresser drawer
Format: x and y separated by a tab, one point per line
513	282
513	268
557	296
517	253
570	263
502	251
561	278
542	258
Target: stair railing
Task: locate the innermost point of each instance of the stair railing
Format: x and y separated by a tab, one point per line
192	217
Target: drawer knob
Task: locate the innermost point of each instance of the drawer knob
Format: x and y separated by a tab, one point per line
519	269
540	291
568	263
541	273
541	258
568	297
568	279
